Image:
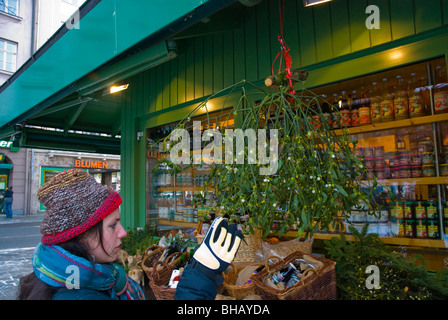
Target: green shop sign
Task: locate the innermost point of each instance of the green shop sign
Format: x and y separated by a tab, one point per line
5	144
8	145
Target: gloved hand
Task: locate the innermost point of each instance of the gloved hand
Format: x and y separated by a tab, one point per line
218	248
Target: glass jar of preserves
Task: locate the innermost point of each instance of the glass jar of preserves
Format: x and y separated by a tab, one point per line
359	152
429	170
416	159
380	163
445	211
397	228
381	173
397	211
378	152
405	158
421	230
425	145
427	158
387	103
433	229
431	210
440	91
420	210
401	106
416	171
368	152
410	228
444	169
416	101
404	172
408	212
446	227
369	163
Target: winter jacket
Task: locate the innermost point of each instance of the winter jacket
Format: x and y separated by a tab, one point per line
80	294
194	285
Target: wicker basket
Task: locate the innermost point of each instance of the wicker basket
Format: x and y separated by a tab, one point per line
246	251
318	284
152	254
151	248
282	249
159	279
238	291
197	232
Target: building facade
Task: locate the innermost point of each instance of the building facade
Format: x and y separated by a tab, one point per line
16	35
26	26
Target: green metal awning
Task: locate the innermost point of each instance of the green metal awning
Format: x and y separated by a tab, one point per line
59	95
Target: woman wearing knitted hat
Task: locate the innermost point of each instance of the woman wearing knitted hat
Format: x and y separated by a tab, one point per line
81	238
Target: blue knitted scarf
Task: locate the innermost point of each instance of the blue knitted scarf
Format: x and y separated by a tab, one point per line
59	268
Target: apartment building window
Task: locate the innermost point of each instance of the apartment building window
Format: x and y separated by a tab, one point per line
8	55
9	6
73	2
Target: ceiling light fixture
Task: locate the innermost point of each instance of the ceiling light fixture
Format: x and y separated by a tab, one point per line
308	3
115	89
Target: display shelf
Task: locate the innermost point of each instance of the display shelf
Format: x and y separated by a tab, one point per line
177	223
411	242
410	181
394	124
185	188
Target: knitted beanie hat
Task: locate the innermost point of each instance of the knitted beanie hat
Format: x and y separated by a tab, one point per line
74	202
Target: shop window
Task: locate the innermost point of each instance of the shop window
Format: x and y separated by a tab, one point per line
3	181
178	195
399	118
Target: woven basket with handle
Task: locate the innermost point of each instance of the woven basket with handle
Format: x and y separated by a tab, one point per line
150	256
159	279
319	284
230	279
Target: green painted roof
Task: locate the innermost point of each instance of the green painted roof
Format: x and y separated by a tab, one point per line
80	59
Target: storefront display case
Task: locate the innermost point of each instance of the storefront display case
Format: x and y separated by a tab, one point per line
400	121
178	195
399	118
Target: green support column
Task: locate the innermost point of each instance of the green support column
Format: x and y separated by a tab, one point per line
133	164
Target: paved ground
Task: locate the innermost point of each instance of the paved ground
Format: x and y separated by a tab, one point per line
18	238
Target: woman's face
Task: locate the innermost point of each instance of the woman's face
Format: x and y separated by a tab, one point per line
113	232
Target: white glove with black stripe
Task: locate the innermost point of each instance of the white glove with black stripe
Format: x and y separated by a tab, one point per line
218	249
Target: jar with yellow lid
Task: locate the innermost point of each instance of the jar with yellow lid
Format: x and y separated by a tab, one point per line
444	169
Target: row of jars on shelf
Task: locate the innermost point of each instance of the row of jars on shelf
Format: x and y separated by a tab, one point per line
179	180
410	219
404	100
418	162
183	213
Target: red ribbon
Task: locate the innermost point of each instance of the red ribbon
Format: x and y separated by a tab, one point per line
284	52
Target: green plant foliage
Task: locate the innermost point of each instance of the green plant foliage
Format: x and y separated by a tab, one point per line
138	239
400	278
318	176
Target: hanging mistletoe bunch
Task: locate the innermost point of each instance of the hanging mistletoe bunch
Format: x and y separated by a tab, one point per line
317	178
298	175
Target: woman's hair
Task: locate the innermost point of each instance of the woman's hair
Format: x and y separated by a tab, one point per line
31	288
